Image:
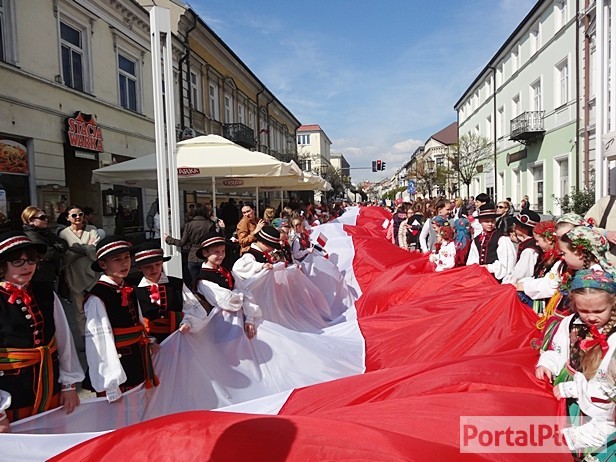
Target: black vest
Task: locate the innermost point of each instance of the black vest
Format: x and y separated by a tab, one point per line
27	327
217	277
531	244
131	357
170	299
487	251
259	256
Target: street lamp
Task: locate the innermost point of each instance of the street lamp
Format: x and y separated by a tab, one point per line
430	164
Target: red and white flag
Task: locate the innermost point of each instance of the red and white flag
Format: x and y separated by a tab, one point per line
322	239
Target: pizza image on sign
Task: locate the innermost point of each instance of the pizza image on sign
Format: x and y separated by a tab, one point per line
13	157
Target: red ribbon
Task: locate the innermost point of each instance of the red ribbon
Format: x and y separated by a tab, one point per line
597	339
227	275
126	291
154	294
18	293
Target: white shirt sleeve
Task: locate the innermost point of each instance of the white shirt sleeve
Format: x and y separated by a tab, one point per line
524	268
473	255
424	235
246	266
545	287
70	368
505	261
556	357
106	372
446	257
5	402
592	434
194	314
221	297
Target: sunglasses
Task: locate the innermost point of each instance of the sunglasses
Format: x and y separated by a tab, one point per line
501	207
75	215
42	217
22	261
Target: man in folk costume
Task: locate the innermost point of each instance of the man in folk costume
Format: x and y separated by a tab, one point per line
258	257
39	366
492	249
117	345
166	303
529	254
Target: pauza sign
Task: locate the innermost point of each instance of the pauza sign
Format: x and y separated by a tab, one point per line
82	132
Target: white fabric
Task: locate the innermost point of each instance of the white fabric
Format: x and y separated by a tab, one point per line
545	287
505	258
233	372
229	300
247	266
524	267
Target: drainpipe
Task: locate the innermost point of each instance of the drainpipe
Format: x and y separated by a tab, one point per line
258	116
493	69
186	59
577	93
269	134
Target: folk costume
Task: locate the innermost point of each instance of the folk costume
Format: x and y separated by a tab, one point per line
167	303
570	341
445	257
408	235
529	254
300	246
37	354
117	344
217	286
493	249
252	261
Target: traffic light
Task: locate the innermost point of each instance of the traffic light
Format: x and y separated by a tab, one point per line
383	165
374	165
379	165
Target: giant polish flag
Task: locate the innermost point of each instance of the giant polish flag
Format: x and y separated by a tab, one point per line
366	355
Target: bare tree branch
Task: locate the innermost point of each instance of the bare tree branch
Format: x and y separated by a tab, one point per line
472	150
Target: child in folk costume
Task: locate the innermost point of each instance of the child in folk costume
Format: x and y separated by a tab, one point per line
462	239
216	284
117	344
300	243
282	225
39	366
446	255
408	235
491	249
529	253
166	303
579	354
259	255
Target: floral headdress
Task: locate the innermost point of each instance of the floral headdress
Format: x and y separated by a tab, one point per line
585	239
463	234
446	233
593	279
440	221
572	218
546	229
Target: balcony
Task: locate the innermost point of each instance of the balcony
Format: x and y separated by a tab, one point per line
240	134
528	127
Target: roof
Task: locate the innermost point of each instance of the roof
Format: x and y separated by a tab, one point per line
310	128
448	135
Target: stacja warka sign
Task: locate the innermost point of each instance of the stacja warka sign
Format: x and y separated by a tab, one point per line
82	132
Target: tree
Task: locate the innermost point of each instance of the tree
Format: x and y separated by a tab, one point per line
335	178
473	150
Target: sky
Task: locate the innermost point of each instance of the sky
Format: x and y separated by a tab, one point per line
379	77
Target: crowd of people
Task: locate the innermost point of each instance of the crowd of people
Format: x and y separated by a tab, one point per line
78	309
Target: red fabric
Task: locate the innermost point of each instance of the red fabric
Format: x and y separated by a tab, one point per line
438	346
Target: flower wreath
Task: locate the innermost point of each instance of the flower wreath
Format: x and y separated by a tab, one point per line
581	245
546	230
590	221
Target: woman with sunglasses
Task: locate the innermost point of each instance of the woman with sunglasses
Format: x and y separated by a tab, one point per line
36	227
78	259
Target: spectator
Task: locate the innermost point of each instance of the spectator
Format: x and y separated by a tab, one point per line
231	216
503	209
248	228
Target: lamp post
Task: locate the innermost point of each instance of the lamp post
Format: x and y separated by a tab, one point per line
430	164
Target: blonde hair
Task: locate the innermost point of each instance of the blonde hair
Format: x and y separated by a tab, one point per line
591	359
28	214
269	214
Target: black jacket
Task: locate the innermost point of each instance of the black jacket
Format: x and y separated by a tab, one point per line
49	267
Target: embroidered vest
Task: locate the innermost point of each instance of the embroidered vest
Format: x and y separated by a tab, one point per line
259	256
170	299
487	246
221	277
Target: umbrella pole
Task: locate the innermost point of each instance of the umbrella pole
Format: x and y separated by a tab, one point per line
257	200
214	195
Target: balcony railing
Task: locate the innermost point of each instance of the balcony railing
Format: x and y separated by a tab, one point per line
240	134
528	127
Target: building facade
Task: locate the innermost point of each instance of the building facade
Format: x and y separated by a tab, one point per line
313	151
524	101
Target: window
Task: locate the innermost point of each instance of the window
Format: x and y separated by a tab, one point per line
560	14
515	59
515	106
251	120
228	109
73	53
303	139
214	101
489	133
500	75
8	52
127	75
241	114
195	90
537	176
561	86
535	93
535	39
500	122
477	129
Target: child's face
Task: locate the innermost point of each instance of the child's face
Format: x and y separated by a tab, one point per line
488	224
543	243
20	271
215	255
264	247
595	309
298	227
574	260
116	266
152	271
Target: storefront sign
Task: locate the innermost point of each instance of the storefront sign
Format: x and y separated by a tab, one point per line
83	132
516	156
232	182
188	171
13	157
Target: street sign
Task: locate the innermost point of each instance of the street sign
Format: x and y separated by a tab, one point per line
411	187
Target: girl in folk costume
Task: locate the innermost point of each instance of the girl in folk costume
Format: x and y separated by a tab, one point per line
166	303
446	255
117	344
537	290
300	243
579	354
529	253
462	238
39	366
259	255
216	284
492	249
282	225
